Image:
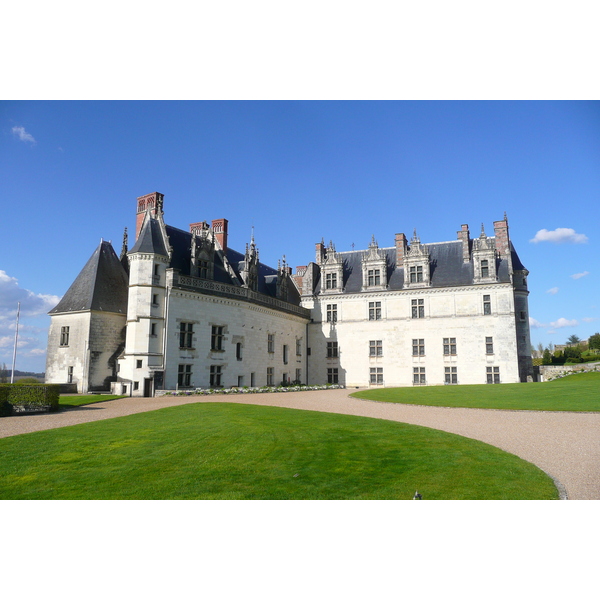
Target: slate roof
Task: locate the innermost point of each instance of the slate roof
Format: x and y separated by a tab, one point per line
101	285
150	239
447	268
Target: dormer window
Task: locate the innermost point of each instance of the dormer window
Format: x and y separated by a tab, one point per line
485	269
331	281
416	264
416	274
374	267
374	277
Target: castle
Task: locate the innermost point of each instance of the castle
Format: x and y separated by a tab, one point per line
182	310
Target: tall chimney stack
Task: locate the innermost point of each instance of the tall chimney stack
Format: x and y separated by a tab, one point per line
220	229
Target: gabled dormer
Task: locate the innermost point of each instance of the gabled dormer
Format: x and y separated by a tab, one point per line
417	273
202	254
374	268
484	259
249	266
332	271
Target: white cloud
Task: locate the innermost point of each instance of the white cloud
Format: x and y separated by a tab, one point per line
562	322
23	135
535	324
32	305
580	275
552	291
589	319
560	235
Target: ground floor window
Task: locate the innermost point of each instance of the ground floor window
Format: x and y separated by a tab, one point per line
332	375
184	375
298	375
70	375
493	374
450	375
215	375
419	376
270	375
376	375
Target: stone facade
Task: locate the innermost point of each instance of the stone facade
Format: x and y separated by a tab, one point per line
195	313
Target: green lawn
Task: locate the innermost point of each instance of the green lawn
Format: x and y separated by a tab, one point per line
231	451
82	400
579	392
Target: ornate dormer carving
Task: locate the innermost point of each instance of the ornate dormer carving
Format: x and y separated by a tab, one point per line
374	267
202	252
484	258
283	277
416	264
249	266
332	271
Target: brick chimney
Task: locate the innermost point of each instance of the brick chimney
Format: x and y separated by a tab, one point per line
299	277
502	239
463	235
219	227
152	201
401	249
320	252
196	228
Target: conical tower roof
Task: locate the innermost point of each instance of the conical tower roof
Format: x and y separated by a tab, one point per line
102	285
150	240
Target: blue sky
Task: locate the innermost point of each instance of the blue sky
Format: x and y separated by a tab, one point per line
299	171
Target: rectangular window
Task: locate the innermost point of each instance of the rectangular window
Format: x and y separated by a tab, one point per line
136	385
418	308
374	277
416	274
418	346
485	270
331	281
184	375
331	313
270	375
375	348
449	346
240	381
332	375
156	277
376	375
238	350
450	376
70	375
332	349
153	329
489	345
185	335
493	374
298	375
299	347
271	342
215	375
138	364
216	337
374	311
203	269
154	299
64	336
285	354
522	314
419	376
487	305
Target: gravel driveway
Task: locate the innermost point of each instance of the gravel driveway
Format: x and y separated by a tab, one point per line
565	445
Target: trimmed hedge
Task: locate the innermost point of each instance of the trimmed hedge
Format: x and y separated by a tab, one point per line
28	397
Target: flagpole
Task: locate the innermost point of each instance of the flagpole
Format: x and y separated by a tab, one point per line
12	375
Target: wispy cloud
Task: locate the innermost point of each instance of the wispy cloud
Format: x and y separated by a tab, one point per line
32	304
552	291
580	275
535	324
589	319
562	322
561	235
23	135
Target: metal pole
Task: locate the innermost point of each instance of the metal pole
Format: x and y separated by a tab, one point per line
12	375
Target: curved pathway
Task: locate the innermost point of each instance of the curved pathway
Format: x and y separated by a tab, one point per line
565	445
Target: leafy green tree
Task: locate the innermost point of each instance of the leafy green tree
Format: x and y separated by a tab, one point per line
547	358
573	340
594	341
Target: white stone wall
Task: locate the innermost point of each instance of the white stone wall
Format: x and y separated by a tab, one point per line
449	313
244	323
60	358
107	334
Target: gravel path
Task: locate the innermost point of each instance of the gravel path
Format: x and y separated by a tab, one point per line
565	445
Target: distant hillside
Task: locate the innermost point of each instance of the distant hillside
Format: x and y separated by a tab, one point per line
5	374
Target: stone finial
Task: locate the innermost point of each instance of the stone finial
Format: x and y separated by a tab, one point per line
124	246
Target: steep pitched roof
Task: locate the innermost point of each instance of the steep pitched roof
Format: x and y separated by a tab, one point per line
150	240
101	285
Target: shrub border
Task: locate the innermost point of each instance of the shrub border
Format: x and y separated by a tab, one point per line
247	390
31	397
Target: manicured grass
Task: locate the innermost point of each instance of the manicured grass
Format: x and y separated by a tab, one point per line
83	400
580	392
231	451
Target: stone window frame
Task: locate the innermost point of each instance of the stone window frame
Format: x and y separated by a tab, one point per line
376	375
331	280
333	350
217	337
416	274
186	333
270	376
417	306
184	375
65	332
419	376
216	374
487	304
449	344
271	343
298	346
374	309
332	375
285	354
375	348
418	347
492	374
331	313
489	345
450	376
